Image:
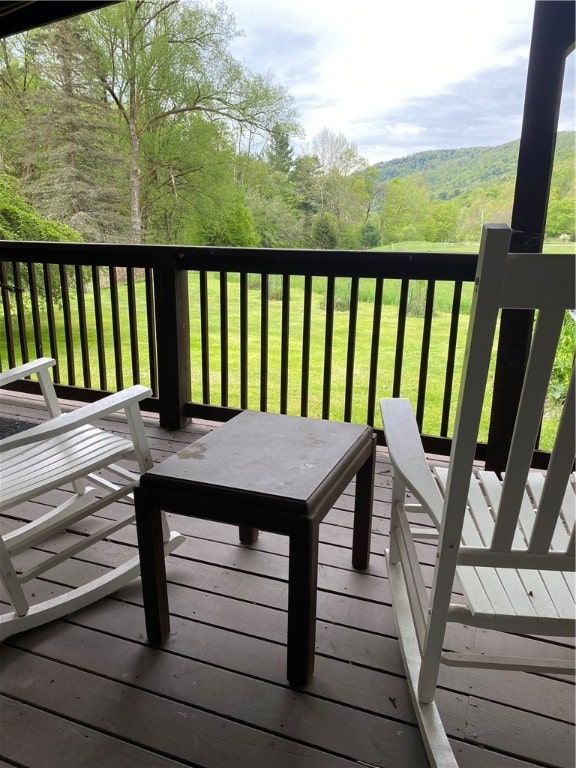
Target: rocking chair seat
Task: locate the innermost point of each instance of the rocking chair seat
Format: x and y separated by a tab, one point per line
41	467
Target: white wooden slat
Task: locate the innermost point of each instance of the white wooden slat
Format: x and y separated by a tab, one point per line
527	425
61	462
560	585
528	584
482	586
557	476
565	521
65	446
49	523
556	584
83	543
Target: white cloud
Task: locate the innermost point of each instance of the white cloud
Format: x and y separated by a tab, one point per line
380	71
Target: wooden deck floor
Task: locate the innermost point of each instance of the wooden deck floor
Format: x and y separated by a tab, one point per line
88	691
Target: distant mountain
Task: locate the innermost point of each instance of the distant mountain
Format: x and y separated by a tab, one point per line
454	172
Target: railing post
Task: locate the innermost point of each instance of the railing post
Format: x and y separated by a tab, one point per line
552	39
173	339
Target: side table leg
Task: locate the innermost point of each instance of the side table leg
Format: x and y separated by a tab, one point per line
152	568
302	585
363	511
247	534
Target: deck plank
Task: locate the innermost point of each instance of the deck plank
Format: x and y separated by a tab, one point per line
216	694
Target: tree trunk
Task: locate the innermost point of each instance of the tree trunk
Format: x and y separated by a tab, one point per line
135	214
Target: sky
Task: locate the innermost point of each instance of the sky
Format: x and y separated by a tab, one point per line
397	77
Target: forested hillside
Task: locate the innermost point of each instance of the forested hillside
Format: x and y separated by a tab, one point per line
451	172
136	124
478	182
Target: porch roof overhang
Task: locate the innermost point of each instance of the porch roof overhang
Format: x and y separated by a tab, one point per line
21	15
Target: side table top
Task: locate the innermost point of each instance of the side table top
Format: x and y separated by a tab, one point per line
264	453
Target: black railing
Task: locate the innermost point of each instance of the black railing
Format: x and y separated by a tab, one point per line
216	330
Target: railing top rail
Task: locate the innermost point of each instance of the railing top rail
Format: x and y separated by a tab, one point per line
335	263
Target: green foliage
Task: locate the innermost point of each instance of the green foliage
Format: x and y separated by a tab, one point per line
564	361
137	123
406	210
324	232
235	227
477	185
280	154
370	237
561	219
450	172
19	221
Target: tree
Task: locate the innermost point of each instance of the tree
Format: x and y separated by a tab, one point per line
405	209
324	233
561	217
370	237
234	227
73	169
159	61
305	177
280	154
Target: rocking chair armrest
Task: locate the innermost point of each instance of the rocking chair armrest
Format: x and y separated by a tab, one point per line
407	455
86	414
26	369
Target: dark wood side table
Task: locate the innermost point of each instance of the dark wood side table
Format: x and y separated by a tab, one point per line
269	472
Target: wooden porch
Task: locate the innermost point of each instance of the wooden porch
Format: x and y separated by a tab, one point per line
89	691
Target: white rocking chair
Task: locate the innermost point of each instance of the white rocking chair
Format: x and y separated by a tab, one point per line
67	449
510	541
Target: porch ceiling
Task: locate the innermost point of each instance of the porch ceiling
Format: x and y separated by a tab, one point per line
21	15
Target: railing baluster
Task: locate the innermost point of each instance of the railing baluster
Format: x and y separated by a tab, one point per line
133	323
99	322
450	359
34	308
116	331
243	340
151	328
224	338
7	309
426	333
204	336
375	346
306	326
48	294
400	336
264	343
81	303
352	325
20	313
67	316
285	345
328	342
